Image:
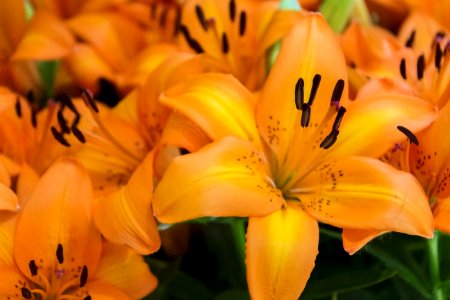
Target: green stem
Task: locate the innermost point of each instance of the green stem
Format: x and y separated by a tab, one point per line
238	232
433	257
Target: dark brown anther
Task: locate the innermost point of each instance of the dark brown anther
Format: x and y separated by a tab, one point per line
177	21
337	92
76	121
83	276
306	115
18	108
30	96
242	23
60	254
59	137
403	68
438	37
88	297
315	86
438	57
163	17
410	41
26	293
201	17
232	10
412	138
339	117
299	93
78	134
329	140
33	116
420	66
62	122
33	267
447	48
153	8
225	45
66	101
89	100
191	42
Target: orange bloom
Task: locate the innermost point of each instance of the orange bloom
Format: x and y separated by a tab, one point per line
297	163
52	249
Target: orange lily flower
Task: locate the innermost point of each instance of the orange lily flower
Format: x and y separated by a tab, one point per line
296	164
236	33
53	251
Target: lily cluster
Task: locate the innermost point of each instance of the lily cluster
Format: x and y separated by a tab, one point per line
118	118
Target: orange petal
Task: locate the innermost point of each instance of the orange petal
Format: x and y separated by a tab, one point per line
99	290
26	183
8	223
374	120
442	215
309	49
8	199
126	217
10	285
47	38
87	66
364	193
355	239
281	250
125	269
217	103
225	178
12	26
58	212
183	133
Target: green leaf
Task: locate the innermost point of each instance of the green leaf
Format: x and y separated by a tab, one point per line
47	71
337	13
346	282
233	295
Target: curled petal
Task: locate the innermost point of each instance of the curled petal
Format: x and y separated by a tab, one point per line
355	239
225	178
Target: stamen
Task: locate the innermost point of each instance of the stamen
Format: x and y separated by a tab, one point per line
232	10
78	134
412	138
88	297
403	68
306	115
420	66
18	108
201	17
242	23
339	117
30	96
410	41
62	122
33	116
299	93
153	10
329	140
163	18
438	37
191	41
86	95
337	92
315	87
26	293
438	57
225	45
83	276
177	21
60	254
66	101
33	268
59	137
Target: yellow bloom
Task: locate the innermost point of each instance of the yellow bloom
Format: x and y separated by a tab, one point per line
52	249
296	164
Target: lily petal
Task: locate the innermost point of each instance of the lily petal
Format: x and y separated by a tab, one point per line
126	217
442	215
354	239
58	213
375	118
48	38
308	50
11	277
125	269
217	103
8	199
105	291
225	178
281	250
8	223
364	193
